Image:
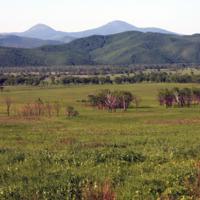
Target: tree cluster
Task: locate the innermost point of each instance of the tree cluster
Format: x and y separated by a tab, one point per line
89	80
105	99
179	97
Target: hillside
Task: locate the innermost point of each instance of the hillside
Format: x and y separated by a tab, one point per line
65	39
24	42
120	49
29	57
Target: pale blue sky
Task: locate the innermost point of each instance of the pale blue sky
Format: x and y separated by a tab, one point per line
180	16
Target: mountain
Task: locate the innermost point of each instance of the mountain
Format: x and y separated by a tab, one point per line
45	32
40	31
131	47
115	27
24	42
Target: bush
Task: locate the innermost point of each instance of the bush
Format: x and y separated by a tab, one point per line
71	112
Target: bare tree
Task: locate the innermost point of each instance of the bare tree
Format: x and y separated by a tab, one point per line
8	104
57	107
136	100
39	105
49	108
111	102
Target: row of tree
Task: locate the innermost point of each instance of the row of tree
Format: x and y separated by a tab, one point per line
158	78
97	69
37	108
105	99
179	97
21	80
67	80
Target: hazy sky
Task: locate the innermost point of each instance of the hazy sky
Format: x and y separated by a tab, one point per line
180	16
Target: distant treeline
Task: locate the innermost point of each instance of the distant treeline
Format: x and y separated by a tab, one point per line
157	77
97	69
21	80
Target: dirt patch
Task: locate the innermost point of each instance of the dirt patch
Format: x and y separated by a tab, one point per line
21	120
178	121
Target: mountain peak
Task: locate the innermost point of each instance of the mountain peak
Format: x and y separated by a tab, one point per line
120	23
39	27
116	22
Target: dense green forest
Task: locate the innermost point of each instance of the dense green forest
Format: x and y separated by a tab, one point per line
126	48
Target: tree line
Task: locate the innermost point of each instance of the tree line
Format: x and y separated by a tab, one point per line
21	80
158	78
97	69
37	108
155	77
179	97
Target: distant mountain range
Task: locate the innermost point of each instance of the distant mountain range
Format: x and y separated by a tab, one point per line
25	42
131	47
45	32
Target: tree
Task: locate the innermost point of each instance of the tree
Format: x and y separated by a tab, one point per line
93	99
111	101
48	108
166	95
71	112
176	95
187	95
39	106
52	80
196	95
8	104
125	99
136	100
57	107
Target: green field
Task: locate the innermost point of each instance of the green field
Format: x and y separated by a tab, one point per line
147	153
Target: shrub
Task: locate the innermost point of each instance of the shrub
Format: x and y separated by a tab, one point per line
71	112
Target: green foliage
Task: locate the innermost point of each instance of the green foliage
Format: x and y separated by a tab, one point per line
120	49
112	100
182	97
71	112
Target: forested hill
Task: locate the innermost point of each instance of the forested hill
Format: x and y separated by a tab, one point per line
120	49
24	42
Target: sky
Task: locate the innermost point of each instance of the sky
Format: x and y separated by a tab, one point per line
179	16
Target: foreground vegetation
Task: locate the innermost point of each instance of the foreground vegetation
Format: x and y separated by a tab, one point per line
148	153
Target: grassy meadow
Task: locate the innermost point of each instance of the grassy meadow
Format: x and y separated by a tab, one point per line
148	153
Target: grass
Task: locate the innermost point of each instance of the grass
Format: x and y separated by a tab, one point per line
145	154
